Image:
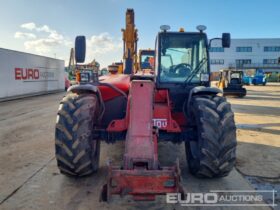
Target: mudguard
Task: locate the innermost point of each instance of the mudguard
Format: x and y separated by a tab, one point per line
199	90
87	87
94	90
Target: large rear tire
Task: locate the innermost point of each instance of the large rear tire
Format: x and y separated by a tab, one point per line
76	151
212	152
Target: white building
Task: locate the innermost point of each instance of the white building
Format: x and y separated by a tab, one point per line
246	54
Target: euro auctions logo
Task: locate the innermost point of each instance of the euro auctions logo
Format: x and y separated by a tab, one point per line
223	198
192	198
32	74
26	74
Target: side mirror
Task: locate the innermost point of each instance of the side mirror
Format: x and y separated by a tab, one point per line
80	49
226	40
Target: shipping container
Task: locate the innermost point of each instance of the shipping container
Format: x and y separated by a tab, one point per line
23	74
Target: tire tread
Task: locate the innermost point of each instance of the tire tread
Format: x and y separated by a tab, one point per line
77	115
216	137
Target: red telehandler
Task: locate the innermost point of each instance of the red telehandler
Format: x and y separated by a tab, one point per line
176	104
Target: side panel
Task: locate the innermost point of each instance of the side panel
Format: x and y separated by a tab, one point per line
27	74
114	109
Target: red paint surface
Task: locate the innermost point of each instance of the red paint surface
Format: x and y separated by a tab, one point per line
121	81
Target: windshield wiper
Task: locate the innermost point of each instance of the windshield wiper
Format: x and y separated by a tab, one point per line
194	72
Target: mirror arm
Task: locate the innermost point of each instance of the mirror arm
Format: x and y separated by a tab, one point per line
210	41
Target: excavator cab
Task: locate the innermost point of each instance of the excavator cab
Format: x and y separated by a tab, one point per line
146	60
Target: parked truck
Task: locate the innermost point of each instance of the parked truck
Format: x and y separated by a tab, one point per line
259	78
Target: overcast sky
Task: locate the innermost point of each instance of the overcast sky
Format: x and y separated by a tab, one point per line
49	27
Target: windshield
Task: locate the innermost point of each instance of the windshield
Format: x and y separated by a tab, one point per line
236	75
183	57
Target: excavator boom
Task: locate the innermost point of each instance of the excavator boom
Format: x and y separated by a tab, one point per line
130	38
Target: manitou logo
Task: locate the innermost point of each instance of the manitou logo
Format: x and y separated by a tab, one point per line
160	123
26	74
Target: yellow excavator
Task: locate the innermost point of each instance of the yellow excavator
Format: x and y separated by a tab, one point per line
130	62
130	38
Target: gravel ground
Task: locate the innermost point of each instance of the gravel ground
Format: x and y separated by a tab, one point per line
29	177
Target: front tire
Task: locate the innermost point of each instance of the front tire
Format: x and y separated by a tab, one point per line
77	153
212	152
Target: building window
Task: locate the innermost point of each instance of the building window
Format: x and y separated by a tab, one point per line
217	61
243	49
270	61
241	62
216	49
272	49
